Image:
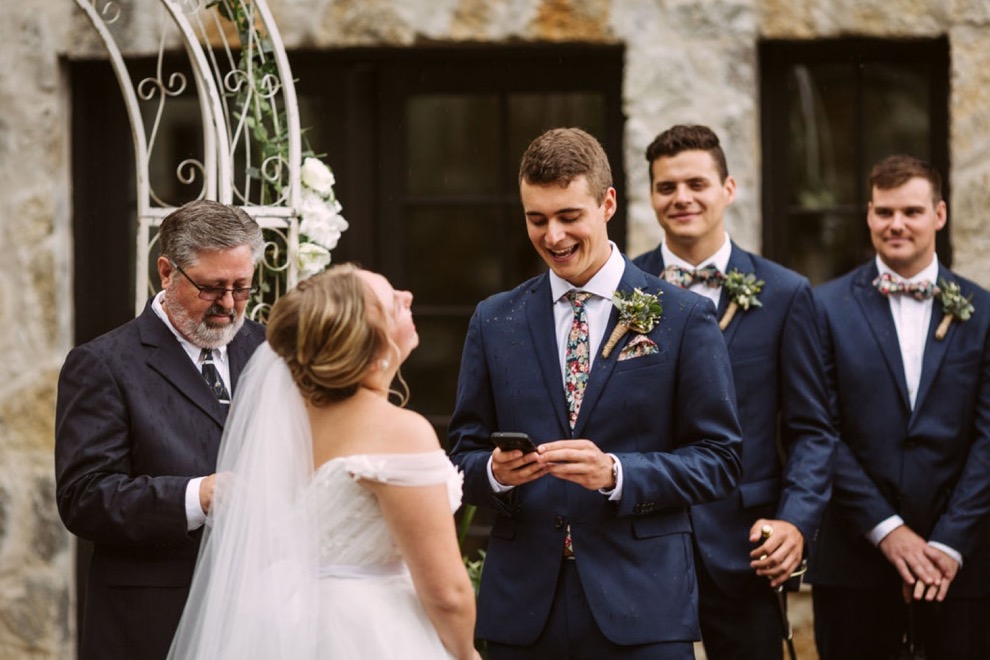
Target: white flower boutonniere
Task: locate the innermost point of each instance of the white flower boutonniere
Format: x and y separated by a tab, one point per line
954	304
742	290
638	312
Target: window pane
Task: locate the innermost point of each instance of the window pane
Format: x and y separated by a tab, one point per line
822	126
826	244
452	144
453	254
532	114
896	108
431	370
524	262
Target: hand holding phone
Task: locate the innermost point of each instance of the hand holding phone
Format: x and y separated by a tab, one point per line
508	441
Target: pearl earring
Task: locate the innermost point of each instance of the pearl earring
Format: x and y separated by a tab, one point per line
383	365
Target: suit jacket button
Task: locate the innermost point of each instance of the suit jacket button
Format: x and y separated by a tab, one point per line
638	508
559	522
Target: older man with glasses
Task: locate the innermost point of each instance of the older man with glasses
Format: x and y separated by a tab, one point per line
139	416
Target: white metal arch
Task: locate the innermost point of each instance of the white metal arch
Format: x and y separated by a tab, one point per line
228	83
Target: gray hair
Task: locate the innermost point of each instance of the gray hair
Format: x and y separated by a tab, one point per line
207	226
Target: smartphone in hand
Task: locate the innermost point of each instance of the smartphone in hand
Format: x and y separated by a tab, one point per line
507	441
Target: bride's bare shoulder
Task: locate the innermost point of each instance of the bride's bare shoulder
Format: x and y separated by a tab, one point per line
369	425
402	430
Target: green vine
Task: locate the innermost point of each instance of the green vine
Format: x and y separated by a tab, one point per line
253	98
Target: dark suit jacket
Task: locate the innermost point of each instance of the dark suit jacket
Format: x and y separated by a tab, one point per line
929	465
777	368
668	417
135	420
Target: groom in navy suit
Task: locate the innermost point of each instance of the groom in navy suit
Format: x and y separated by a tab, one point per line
138	421
590	552
776	364
904	548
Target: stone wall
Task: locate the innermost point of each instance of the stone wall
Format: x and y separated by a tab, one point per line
35	329
686	60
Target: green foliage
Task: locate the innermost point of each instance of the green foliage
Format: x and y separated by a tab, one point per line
639	311
743	289
953	301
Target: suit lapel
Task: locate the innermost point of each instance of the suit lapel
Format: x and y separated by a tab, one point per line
876	309
166	356
543	333
935	350
741	261
239	352
602	368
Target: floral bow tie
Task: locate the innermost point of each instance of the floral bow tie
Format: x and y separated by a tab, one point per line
708	275
888	285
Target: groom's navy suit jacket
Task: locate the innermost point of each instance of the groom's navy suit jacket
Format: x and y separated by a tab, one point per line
670	419
777	368
930	465
134	421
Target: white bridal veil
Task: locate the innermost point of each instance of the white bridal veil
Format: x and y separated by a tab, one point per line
253	593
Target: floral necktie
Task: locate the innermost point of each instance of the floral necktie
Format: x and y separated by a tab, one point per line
708	275
212	377
576	354
576	360
889	285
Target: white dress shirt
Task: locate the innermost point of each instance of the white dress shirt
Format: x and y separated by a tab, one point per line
720	260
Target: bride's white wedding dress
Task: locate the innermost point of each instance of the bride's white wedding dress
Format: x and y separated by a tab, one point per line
297	563
367	601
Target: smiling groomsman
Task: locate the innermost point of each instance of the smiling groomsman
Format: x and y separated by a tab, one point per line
590	552
907	346
768	321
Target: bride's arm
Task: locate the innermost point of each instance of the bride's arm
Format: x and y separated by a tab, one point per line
420	520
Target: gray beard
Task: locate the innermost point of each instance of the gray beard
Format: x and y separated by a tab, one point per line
201	333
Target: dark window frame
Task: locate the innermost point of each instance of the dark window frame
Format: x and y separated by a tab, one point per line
776	57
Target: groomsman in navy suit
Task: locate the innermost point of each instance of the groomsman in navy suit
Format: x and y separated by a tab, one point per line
776	364
904	549
590	552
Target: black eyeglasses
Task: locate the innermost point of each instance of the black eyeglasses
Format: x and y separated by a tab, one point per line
214	293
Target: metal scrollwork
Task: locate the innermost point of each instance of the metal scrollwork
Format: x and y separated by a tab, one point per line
244	88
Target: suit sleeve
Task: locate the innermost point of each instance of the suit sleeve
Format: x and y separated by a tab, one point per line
98	496
969	504
853	490
806	430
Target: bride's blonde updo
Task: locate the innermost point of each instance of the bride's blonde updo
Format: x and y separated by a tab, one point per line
330	330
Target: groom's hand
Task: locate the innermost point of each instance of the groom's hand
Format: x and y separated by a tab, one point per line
580	461
514	468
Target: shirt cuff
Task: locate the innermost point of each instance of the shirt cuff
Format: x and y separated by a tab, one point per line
880	532
615	494
194	511
952	552
496	486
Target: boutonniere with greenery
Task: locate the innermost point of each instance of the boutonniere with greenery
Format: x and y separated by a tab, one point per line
638	311
954	304
742	290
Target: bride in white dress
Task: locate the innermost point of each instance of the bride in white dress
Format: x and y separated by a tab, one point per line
331	533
